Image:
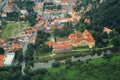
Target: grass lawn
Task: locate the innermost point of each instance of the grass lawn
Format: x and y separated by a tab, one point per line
115	59
98	61
53	70
58	38
12	28
85	71
38	55
82	48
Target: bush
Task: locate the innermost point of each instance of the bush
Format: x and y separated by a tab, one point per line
107	56
56	64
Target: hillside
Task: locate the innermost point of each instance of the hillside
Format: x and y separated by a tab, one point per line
106	15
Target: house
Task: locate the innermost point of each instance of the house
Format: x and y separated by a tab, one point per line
10	1
65	2
74	40
1	60
64	20
15	46
2	40
4	14
8	8
64	9
79	39
107	30
60	46
33	39
24	12
22	16
9	58
39	5
46	24
28	31
87	20
89	7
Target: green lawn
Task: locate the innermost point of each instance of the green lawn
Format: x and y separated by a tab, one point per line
53	70
11	30
98	61
85	71
82	48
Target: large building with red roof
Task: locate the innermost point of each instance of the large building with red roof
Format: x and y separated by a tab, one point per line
74	40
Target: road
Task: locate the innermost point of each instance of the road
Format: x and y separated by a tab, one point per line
24	46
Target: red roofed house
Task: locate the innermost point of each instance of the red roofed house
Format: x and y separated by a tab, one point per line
1	60
74	40
8	8
4	14
15	46
64	2
107	30
33	39
84	39
60	46
10	0
87	21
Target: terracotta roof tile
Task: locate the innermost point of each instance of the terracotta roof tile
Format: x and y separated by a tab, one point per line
107	30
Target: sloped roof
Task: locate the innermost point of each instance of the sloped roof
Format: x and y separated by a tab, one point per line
107	29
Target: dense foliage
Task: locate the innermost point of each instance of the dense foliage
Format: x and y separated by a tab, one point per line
40	45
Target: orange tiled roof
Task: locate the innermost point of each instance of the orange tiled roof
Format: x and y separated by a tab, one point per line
63	46
1	56
88	36
52	27
22	16
65	1
60	27
50	11
75	35
33	39
4	13
86	32
73	38
46	24
15	46
1	60
39	3
1	40
87	21
10	0
64	9
65	19
9	7
107	29
51	43
1	63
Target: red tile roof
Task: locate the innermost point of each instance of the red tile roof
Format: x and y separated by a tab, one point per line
15	46
33	39
87	21
1	60
10	0
9	7
107	30
2	40
73	38
22	16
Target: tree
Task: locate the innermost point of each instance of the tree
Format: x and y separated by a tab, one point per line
1	50
116	41
56	64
